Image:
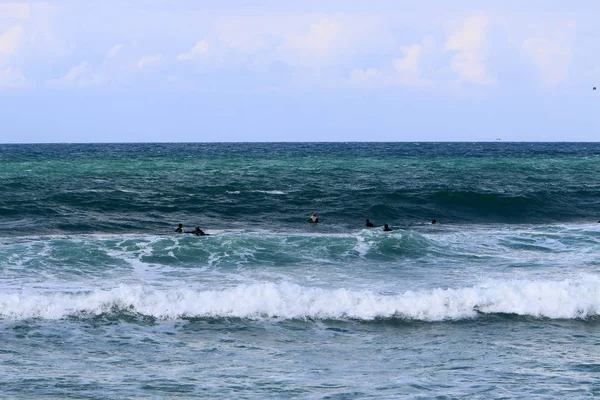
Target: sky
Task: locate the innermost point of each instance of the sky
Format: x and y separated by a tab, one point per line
299	71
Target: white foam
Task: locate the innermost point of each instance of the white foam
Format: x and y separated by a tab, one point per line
277	192
363	246
568	299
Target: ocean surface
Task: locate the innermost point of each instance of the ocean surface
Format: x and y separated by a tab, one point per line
101	299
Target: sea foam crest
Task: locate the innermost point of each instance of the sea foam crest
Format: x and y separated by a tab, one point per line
567	299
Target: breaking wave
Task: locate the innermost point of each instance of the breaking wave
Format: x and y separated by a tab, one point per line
568	299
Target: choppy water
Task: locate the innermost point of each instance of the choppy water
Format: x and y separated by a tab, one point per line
99	298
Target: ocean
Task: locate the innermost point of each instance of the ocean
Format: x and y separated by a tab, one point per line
100	298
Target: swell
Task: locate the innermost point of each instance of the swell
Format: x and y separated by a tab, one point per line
93	254
148	188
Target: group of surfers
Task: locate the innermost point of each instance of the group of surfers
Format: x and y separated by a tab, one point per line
197	231
313	219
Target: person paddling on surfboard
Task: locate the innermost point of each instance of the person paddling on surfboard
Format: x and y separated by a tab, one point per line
180	229
386	228
369	224
314	219
198	232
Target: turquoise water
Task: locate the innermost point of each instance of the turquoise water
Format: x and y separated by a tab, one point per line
100	298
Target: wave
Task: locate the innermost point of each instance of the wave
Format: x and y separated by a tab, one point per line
525	245
269	191
223	249
567	299
276	192
105	189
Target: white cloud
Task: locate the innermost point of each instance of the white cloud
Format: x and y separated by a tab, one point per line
469	44
72	77
11	40
26	37
42	35
85	75
311	47
409	64
552	57
249	35
314	41
79	76
319	41
409	68
149	61
12	77
114	50
200	49
304	40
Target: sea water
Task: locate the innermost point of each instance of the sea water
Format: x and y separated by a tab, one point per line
101	299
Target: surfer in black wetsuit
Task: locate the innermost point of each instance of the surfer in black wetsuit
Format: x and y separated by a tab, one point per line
180	229
369	224
386	228
434	221
198	232
314	219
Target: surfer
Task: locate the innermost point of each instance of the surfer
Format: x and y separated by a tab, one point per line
386	228
369	224
434	221
314	219
198	232
180	229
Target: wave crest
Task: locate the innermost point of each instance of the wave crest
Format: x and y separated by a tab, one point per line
569	299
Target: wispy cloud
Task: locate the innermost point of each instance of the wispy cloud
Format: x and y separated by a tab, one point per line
200	49
86	74
12	77
552	54
405	47
148	61
11	40
26	38
114	51
76	77
321	39
307	41
318	41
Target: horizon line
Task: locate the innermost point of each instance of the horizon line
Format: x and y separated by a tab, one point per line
307	142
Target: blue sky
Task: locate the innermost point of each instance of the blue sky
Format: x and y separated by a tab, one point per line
156	70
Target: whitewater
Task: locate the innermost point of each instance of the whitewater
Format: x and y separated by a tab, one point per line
100	298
